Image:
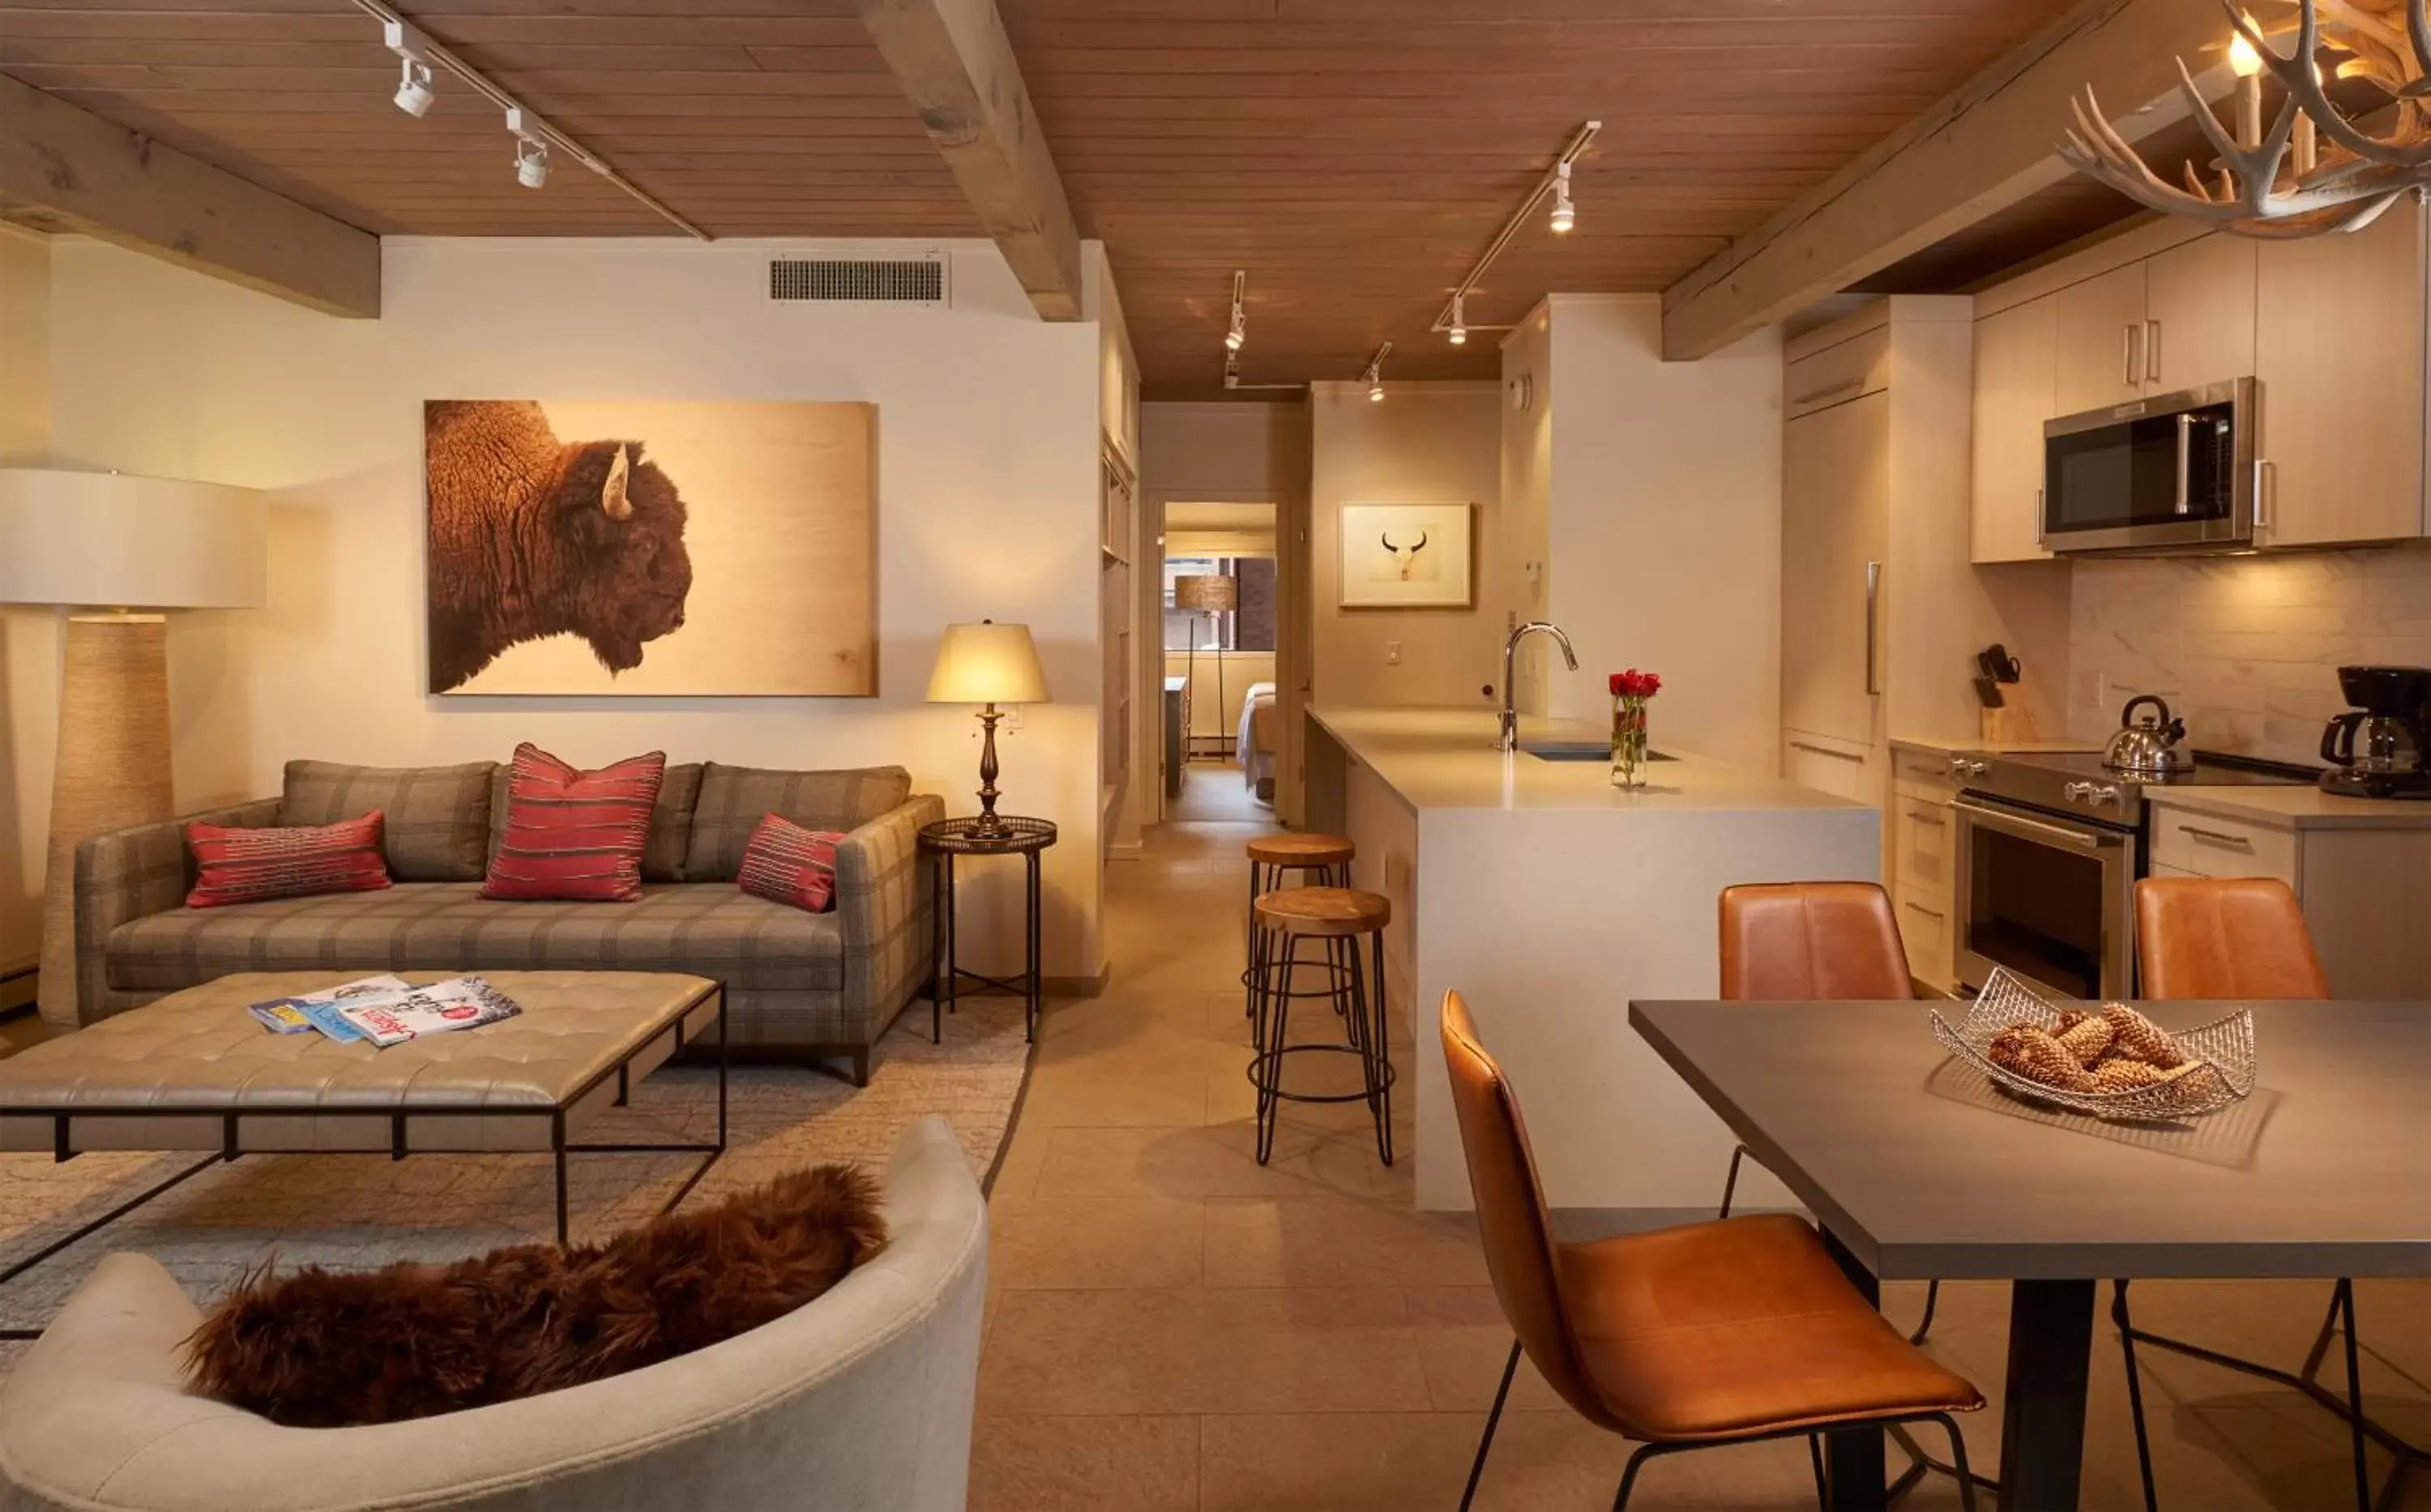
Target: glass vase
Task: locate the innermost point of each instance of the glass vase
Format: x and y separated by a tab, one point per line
1629	743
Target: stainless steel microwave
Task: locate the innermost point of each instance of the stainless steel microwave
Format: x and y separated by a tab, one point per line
2173	471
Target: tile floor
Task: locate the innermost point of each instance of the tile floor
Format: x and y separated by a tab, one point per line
1172	1328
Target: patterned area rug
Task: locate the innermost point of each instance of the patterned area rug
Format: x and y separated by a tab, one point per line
357	1212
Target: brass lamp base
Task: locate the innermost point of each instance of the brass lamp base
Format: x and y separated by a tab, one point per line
989	823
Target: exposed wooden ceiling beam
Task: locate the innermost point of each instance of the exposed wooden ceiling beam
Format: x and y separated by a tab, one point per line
89	175
1983	148
955	64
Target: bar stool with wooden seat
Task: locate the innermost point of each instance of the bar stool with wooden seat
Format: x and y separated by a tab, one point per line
2244	938
1322	861
1338	919
1729	1332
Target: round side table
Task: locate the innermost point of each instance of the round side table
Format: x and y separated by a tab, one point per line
1007	837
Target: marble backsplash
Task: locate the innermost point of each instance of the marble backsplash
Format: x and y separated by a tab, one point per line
2245	648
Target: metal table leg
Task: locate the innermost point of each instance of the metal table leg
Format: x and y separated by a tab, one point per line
2043	1420
1854	1457
1031	1007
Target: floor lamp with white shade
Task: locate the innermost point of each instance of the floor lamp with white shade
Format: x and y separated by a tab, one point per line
1211	594
112	549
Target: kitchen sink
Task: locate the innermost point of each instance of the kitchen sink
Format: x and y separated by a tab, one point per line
1577	750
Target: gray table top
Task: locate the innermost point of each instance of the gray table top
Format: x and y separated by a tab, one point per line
1922	1167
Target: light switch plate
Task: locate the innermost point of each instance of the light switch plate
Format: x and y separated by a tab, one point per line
1392	653
2088	689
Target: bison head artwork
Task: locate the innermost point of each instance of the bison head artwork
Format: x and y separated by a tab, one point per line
531	537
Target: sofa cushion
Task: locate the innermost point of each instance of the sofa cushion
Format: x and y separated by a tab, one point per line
662	857
437	827
733	801
790	864
573	834
237	863
448	928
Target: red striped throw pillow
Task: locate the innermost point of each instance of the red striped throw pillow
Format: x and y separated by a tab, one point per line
252	865
573	835
787	864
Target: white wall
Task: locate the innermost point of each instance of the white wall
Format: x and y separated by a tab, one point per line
29	646
1664	522
1425	444
988	424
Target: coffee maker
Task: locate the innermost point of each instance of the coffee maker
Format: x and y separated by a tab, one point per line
2382	747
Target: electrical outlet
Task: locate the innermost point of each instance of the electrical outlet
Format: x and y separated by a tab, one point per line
2087	689
1392	653
1013	718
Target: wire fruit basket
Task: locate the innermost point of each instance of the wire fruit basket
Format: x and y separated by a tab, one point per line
2221	1051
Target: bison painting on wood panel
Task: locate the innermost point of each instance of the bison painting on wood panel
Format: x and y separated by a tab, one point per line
651	548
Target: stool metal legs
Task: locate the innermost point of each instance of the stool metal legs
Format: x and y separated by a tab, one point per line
1357	992
1267	877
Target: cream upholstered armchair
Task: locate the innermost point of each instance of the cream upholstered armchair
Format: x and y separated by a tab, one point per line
861	1400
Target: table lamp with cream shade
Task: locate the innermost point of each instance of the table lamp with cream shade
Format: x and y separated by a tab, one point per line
987	664
1211	594
115	548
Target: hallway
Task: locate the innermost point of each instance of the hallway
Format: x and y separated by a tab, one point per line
1172	1328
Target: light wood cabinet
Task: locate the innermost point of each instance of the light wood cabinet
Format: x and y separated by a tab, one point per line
2198	313
2339	347
2016	351
2365	888
2100	352
1834	535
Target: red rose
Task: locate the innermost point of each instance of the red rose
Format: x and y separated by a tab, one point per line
1635	684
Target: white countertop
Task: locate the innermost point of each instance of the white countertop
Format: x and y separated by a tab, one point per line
1445	759
2297	807
1997	747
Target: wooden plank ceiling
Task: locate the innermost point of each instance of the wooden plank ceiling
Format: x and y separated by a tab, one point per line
1351	156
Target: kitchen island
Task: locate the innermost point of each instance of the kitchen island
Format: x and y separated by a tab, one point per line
1550	899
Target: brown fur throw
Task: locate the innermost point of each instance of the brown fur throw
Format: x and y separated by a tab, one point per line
319	1349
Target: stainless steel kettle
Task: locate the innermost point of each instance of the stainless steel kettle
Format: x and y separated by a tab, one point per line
2148	748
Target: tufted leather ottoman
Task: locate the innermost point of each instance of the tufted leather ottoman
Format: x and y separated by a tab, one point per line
194	1070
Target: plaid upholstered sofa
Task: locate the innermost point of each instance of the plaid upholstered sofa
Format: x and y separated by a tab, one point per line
812	985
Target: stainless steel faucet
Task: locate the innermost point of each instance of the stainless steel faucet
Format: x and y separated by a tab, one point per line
1510	735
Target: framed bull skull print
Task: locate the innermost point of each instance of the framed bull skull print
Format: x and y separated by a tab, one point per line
1407	556
650	548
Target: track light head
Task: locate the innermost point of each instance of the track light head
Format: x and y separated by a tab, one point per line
413	92
1565	215
1375	393
531	151
1234	337
1459	332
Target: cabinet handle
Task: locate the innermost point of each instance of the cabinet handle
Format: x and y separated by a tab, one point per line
2153	351
2131	339
1929	912
1873	602
1924	818
2263	471
2041	530
2178	503
2235	842
1825	751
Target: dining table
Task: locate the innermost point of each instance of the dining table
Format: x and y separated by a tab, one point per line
1917	1167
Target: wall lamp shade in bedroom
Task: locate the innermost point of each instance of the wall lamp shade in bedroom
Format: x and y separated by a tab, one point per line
121	545
987	664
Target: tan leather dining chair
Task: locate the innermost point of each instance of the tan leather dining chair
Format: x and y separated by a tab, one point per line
1810	942
2199	939
1728	1332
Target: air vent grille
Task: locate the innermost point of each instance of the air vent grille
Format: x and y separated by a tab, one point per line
905	281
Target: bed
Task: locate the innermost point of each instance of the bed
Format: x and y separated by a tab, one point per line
1260	738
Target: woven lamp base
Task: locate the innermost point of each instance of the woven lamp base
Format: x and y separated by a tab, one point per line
113	771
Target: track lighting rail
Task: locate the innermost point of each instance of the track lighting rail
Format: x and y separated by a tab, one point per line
529	128
1557	182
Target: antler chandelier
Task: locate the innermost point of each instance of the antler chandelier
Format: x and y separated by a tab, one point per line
2290	181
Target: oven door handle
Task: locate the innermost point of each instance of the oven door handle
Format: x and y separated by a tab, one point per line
2026	829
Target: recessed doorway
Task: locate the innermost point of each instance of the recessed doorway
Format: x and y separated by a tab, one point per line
1222	619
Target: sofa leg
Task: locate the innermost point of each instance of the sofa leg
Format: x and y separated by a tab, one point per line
861	1068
